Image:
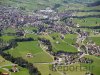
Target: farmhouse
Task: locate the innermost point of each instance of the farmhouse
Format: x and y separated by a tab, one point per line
5	74
15	68
93	49
29	55
47	10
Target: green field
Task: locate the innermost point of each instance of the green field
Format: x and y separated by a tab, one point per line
87	21
86	13
3	61
73	69
62	45
7	38
70	38
95	64
45	70
4	64
9	30
30	47
93	39
96	40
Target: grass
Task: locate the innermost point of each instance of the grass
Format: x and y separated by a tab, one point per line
9	30
86	13
87	21
73	69
70	38
45	70
96	40
5	62
95	64
1	70
21	70
62	46
7	38
30	47
91	8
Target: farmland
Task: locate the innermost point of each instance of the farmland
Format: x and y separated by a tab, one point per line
95	65
40	36
5	66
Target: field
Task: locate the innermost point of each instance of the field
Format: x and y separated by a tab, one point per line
45	70
94	39
30	47
87	21
7	38
6	65
61	45
95	64
86	13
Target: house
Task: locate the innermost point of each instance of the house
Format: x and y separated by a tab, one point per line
5	74
29	55
15	68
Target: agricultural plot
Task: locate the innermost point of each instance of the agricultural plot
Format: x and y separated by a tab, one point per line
70	6
86	13
95	64
33	48
3	61
73	69
9	30
5	66
70	38
91	8
59	44
87	21
93	39
45	69
96	40
7	38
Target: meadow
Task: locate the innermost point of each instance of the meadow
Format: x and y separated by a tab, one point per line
95	64
87	21
30	47
61	45
6	65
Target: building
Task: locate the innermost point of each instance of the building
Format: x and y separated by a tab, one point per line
5	74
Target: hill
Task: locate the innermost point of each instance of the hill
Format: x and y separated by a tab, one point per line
40	4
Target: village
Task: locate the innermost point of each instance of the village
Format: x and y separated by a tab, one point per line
48	21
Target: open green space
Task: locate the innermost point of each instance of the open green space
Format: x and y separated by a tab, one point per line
96	67
86	13
24	48
73	69
7	38
45	69
61	45
96	40
87	21
6	65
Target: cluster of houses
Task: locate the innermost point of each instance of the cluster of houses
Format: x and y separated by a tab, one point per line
67	58
13	69
86	60
93	49
13	17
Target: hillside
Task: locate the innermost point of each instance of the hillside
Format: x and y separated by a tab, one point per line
40	4
50	37
97	3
